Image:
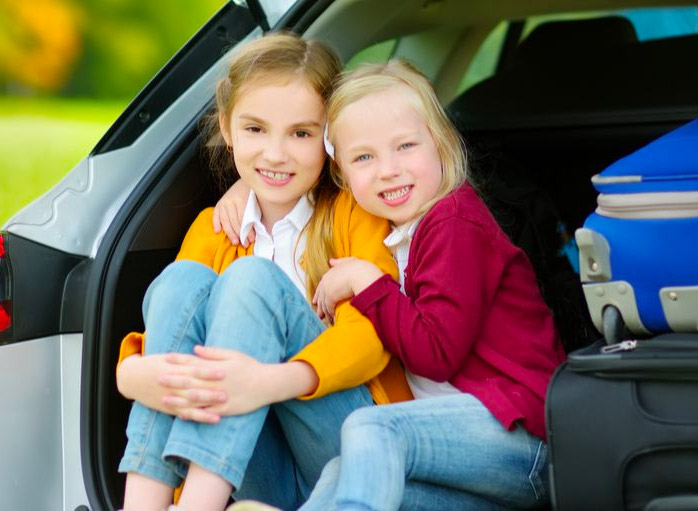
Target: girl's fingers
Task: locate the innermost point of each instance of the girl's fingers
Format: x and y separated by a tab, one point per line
198	415
252	235
175	402
179	358
212	353
199	397
216	220
228	228
208	374
175	381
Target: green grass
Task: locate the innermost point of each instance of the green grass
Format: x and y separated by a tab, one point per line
41	140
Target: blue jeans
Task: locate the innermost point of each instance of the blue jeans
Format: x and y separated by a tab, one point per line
441	453
275	453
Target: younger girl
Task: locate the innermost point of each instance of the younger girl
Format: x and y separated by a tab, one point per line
467	318
264	345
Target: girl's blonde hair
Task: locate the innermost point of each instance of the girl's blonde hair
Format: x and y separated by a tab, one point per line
372	78
281	58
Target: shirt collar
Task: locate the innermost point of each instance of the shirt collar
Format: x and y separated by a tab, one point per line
252	216
401	234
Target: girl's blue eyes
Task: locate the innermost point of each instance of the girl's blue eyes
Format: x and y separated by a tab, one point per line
366	157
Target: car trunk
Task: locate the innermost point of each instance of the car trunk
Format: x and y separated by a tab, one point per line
555	155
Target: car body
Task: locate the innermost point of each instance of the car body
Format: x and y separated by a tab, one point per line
76	262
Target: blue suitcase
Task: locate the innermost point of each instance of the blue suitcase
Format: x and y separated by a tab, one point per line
638	250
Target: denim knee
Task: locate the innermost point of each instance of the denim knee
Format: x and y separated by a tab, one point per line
331	470
178	279
369	417
251	274
173	300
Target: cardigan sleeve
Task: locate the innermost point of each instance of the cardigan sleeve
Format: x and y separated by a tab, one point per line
452	276
350	353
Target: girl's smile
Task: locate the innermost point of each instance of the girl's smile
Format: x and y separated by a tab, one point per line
396	196
275	178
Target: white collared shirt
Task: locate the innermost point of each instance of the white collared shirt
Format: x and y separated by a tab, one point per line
399	241
284	245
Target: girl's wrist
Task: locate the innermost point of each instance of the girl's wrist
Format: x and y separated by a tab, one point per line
125	376
364	277
289	380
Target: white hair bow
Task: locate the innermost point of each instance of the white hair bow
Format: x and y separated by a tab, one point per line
329	148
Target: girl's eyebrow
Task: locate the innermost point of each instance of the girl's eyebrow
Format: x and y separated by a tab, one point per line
250	117
302	124
307	124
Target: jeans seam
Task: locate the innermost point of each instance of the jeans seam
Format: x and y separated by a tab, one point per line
198	301
534	475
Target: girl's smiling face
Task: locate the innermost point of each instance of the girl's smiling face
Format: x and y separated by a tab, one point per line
387	154
275	130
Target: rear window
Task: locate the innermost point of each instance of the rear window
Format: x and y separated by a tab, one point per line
649	24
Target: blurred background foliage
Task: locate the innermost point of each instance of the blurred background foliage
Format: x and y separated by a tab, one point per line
67	70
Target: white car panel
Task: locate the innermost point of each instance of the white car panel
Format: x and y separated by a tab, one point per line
74	493
30	427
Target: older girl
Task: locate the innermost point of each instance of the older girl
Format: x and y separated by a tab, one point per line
226	419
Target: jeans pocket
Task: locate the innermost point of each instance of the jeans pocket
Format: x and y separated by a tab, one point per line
538	477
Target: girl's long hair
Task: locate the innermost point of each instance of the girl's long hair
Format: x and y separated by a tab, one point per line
372	78
280	58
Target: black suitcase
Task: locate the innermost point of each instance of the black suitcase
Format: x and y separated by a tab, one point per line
622	423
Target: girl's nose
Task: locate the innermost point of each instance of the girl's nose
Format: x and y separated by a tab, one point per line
275	150
389	168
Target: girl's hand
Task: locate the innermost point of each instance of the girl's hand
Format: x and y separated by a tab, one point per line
139	378
227	214
348	276
247	385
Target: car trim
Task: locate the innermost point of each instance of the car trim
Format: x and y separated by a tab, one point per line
196	57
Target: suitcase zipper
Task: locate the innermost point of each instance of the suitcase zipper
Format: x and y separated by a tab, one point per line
619	346
648	205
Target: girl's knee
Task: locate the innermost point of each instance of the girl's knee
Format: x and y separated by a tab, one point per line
250	274
331	470
366	419
179	279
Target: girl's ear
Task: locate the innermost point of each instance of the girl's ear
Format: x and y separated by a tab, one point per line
224	124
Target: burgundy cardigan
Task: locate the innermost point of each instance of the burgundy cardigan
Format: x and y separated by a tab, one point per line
472	315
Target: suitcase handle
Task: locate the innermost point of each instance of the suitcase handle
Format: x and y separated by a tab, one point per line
676	503
665	357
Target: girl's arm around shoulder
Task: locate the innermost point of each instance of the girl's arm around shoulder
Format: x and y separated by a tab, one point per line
452	277
350	353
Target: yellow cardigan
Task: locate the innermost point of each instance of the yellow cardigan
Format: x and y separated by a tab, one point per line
346	354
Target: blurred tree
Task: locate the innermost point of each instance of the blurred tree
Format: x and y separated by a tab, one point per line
96	48
40	42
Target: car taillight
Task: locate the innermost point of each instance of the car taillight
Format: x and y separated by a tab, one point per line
5	288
